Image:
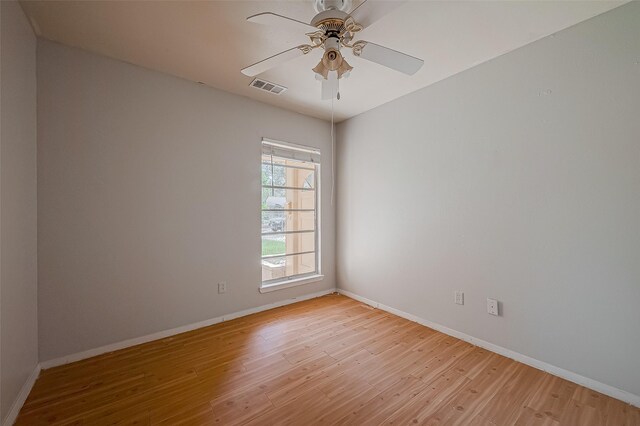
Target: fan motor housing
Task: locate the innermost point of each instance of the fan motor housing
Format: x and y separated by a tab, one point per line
330	20
322	5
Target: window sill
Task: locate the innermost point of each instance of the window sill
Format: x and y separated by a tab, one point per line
291	283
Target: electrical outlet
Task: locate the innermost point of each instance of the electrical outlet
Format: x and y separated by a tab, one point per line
492	306
459	297
222	287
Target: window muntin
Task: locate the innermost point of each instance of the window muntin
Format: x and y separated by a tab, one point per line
289	218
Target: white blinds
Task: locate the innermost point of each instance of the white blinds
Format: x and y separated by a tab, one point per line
289	150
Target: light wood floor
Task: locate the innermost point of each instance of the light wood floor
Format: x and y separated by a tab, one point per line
329	360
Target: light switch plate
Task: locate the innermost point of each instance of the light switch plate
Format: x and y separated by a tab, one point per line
222	287
459	297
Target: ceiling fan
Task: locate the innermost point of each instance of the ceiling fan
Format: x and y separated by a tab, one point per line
332	29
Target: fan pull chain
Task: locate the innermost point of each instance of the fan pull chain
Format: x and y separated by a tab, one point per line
333	157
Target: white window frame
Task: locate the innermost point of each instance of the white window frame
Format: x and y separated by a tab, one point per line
311	155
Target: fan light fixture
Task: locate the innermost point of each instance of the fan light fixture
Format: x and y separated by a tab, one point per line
332	60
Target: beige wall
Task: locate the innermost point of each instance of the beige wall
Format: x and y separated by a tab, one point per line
149	195
519	180
18	264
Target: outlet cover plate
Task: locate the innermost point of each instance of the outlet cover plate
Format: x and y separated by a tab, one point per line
492	306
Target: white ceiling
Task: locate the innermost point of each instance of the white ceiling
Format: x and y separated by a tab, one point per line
211	41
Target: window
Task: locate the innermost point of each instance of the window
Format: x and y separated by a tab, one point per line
290	203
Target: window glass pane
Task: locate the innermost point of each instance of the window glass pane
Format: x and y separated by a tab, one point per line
278	198
293	176
278	221
288	218
286	161
289	266
288	243
273	244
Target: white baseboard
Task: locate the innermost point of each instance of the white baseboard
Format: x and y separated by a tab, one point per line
12	415
540	365
172	332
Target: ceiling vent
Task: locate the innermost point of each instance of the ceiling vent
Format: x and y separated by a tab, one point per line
276	89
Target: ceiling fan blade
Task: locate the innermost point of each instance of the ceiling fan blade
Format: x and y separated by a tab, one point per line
330	86
389	58
369	11
272	61
268	18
